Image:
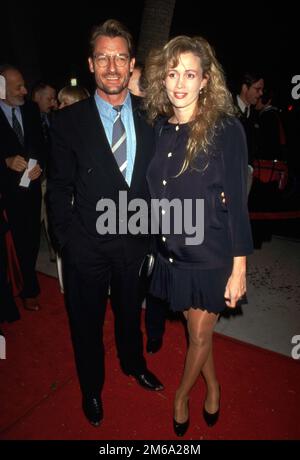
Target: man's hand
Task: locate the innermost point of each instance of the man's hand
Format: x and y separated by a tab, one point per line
16	163
35	172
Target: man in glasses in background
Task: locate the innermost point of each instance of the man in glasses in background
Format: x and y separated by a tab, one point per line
102	146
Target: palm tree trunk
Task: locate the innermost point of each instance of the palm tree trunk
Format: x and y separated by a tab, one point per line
155	27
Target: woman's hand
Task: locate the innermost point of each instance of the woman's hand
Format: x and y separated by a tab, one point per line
236	284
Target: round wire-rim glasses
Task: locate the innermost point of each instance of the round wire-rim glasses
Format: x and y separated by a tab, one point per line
102	60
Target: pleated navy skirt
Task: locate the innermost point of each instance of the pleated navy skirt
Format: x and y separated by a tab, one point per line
184	285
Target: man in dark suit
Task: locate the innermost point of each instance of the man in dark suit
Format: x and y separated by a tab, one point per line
102	146
251	87
45	96
20	140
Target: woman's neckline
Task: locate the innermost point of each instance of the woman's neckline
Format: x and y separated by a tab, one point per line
172	123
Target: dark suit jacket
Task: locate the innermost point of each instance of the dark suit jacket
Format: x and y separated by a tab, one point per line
33	147
82	165
3	223
271	135
251	128
18	198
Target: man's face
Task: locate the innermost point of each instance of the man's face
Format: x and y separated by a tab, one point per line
15	88
254	92
46	99
112	66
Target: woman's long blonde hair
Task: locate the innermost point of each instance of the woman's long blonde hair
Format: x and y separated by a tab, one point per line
214	101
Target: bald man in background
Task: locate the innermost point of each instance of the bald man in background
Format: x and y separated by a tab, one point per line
21	140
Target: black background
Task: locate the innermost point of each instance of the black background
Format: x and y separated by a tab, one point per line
246	35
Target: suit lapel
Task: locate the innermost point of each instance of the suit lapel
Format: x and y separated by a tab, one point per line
25	122
4	120
137	167
5	123
98	145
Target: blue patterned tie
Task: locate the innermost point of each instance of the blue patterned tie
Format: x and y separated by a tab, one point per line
17	127
119	141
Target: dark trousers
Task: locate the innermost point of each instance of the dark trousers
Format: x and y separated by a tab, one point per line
155	317
8	309
90	267
24	216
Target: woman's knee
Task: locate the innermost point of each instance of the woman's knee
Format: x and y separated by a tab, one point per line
200	328
200	339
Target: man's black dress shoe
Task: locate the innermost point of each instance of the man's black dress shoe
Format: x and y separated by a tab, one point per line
153	345
92	408
180	428
147	380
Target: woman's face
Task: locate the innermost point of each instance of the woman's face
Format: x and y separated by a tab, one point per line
184	82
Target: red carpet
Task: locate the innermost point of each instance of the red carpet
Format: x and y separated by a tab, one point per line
40	396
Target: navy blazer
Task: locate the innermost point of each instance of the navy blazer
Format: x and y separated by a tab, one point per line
82	166
219	178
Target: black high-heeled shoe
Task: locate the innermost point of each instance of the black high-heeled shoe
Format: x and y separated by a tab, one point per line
180	428
211	419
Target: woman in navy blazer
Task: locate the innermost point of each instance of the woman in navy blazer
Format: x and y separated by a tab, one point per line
201	154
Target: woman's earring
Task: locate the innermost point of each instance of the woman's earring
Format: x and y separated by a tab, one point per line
202	93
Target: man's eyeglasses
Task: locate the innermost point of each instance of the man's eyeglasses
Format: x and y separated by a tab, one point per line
102	60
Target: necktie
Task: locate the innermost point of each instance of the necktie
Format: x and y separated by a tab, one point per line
119	141
17	127
45	127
